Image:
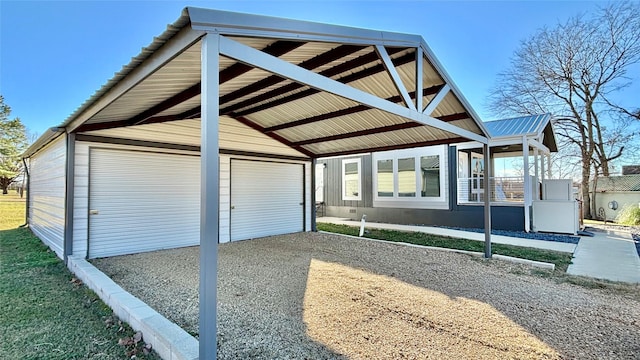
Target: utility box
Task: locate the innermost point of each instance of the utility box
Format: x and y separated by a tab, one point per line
558	211
556	216
557	189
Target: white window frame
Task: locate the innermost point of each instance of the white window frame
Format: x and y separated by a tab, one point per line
417	202
345	196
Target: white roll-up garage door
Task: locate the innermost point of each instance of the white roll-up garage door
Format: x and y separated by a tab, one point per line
142	201
266	199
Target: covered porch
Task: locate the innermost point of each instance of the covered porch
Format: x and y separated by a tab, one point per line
526	144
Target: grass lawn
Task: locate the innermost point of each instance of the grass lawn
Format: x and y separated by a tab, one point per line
561	260
45	313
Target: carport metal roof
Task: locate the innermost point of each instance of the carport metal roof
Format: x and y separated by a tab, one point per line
323	90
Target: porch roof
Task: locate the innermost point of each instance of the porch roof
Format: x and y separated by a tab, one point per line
537	127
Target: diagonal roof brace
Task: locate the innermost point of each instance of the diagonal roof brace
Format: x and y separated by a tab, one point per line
246	54
433	104
391	69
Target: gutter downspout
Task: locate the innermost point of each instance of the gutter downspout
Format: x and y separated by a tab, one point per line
69	195
26	211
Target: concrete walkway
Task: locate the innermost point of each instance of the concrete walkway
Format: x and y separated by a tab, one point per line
608	255
497	239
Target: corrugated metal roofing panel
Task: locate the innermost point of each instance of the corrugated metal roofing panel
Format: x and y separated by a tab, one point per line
192	103
364	120
430	76
619	183
393	138
316	104
523	125
180	74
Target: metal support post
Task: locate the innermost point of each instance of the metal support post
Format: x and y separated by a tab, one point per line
487	202
209	196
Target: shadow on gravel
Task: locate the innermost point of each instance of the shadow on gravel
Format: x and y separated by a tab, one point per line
322	296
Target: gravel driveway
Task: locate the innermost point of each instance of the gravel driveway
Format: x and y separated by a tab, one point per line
321	296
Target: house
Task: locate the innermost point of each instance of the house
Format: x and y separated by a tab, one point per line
212	132
443	184
613	193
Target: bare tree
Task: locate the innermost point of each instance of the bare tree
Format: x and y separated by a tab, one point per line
576	69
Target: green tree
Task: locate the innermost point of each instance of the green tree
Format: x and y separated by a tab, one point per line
576	70
13	141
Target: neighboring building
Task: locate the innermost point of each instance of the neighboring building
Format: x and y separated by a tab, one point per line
615	192
442	185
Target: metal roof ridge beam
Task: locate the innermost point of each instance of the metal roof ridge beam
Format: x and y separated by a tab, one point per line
252	56
395	77
433	104
181	41
233	23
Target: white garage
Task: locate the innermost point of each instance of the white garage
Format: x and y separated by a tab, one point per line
267	198
212	132
142	201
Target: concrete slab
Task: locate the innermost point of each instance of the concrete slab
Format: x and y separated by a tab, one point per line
607	255
497	239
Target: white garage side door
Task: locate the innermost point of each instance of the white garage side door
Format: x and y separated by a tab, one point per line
266	199
142	201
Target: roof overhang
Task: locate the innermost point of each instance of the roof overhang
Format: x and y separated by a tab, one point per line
322	90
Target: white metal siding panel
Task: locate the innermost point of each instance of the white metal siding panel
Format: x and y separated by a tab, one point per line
146	201
47	194
233	136
81	199
266	198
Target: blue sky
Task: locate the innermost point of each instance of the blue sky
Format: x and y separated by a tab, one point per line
55	54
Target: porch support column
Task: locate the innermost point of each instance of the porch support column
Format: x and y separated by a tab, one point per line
542	167
209	199
487	202
549	166
527	184
536	159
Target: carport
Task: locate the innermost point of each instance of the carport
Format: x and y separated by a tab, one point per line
227	83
